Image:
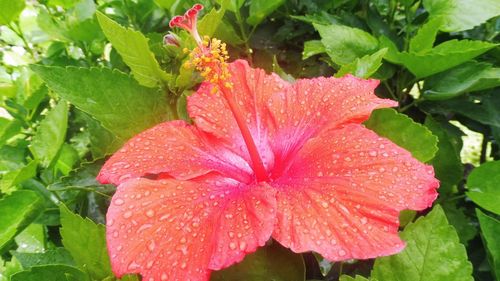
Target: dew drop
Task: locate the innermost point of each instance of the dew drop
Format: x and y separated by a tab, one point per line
150	213
127	214
119	202
232	246
342	253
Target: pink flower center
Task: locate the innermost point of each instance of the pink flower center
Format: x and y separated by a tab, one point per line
210	58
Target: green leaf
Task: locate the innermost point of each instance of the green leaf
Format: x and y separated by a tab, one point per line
110	96
425	37
13	178
84	177
466	228
363	67
260	9
232	5
86	242
8	129
272	262
18	210
211	21
447	163
404	132
482	184
490	228
10	10
442	57
461	15
433	252
134	49
344	44
10	268
468	77
51	272
52	256
311	48
31	239
356	278
51	134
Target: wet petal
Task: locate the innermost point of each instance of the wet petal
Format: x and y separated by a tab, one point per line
343	194
281	116
252	88
180	230
176	149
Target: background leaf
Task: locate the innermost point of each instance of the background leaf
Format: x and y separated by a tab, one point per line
18	210
490	228
272	262
134	49
404	132
86	243
51	134
482	184
432	252
10	10
113	98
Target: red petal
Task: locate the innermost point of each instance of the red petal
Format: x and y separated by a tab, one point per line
344	193
180	230
282	117
175	148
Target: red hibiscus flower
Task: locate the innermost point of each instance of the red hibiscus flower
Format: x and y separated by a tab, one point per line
264	159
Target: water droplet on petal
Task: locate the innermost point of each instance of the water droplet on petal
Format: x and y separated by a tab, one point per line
127	214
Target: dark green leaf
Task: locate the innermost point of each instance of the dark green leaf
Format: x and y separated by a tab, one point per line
461	15
51	134
404	132
466	229
134	49
272	262
18	210
356	278
433	252
447	163
83	177
467	77
482	184
490	228
344	44
112	97
10	10
57	272
363	67
86	243
260	9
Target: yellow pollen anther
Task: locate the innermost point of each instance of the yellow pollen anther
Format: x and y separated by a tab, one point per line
210	59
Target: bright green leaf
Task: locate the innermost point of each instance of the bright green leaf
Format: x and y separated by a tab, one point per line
344	44
260	9
52	256
363	67
86	242
15	177
442	57
432	252
10	10
483	185
311	48
31	239
51	272
272	262
490	228
232	5
461	15
211	21
110	96
404	132
134	49
166	4
51	134
425	37
18	210
8	129
10	268
467	77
